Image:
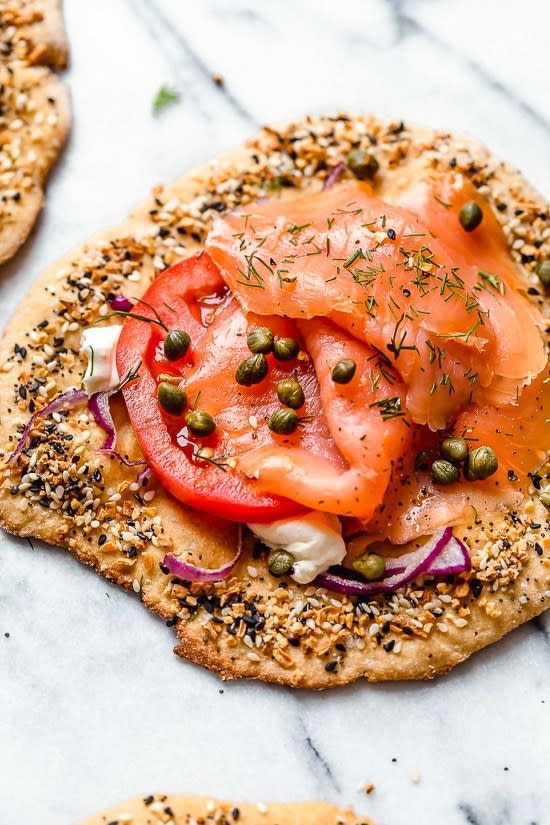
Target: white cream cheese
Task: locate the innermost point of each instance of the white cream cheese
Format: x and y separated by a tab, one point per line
99	345
315	540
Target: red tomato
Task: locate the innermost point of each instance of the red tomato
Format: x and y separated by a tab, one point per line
192	296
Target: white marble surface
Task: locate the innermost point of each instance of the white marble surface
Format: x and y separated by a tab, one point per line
93	705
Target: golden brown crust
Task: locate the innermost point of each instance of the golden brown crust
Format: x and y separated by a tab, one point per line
34	112
251	625
32	31
160	809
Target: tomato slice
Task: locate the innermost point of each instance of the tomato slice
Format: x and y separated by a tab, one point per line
201	471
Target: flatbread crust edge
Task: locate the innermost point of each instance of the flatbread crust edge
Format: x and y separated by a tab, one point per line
33	31
38	119
181	810
252	625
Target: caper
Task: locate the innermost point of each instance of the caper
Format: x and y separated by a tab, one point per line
285	349
290	393
344	371
481	463
171	398
470	216
545	498
283	422
362	164
176	344
454	449
279	562
370	565
252	370
543	271
260	340
443	472
200	422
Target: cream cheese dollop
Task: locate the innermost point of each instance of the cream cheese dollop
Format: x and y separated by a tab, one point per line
314	540
99	345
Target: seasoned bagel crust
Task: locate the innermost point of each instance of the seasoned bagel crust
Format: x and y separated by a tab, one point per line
63	491
34	112
161	809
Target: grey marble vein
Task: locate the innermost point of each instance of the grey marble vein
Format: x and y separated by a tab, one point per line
407	24
318	762
183	57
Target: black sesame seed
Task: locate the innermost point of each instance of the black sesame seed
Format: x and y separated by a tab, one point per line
163	568
538	549
102	539
392	235
149	800
330	667
22	390
294	642
512	476
389	646
235	813
172	621
477	587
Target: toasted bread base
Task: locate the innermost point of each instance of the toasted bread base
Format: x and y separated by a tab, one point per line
63	491
155	809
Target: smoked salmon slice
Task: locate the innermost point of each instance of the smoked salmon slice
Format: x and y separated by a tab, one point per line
367	424
450	317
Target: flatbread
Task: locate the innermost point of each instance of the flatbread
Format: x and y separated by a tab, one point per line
35	113
251	625
158	809
32	31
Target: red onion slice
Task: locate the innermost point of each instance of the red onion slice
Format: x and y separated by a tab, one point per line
398	572
190	572
122	304
454	558
334	175
99	406
68	399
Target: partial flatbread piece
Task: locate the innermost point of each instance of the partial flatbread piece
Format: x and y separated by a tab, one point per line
65	492
34	122
32	31
158	809
34	112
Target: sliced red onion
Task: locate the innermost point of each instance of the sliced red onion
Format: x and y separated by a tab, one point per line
334	175
121	303
398	571
143	476
99	406
68	399
454	558
190	572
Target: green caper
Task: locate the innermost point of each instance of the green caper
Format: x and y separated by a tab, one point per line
285	349
370	565
283	422
260	340
171	398
290	392
200	422
470	216
543	271
176	344
279	562
443	472
454	449
481	463
362	164
252	370
344	371
545	498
